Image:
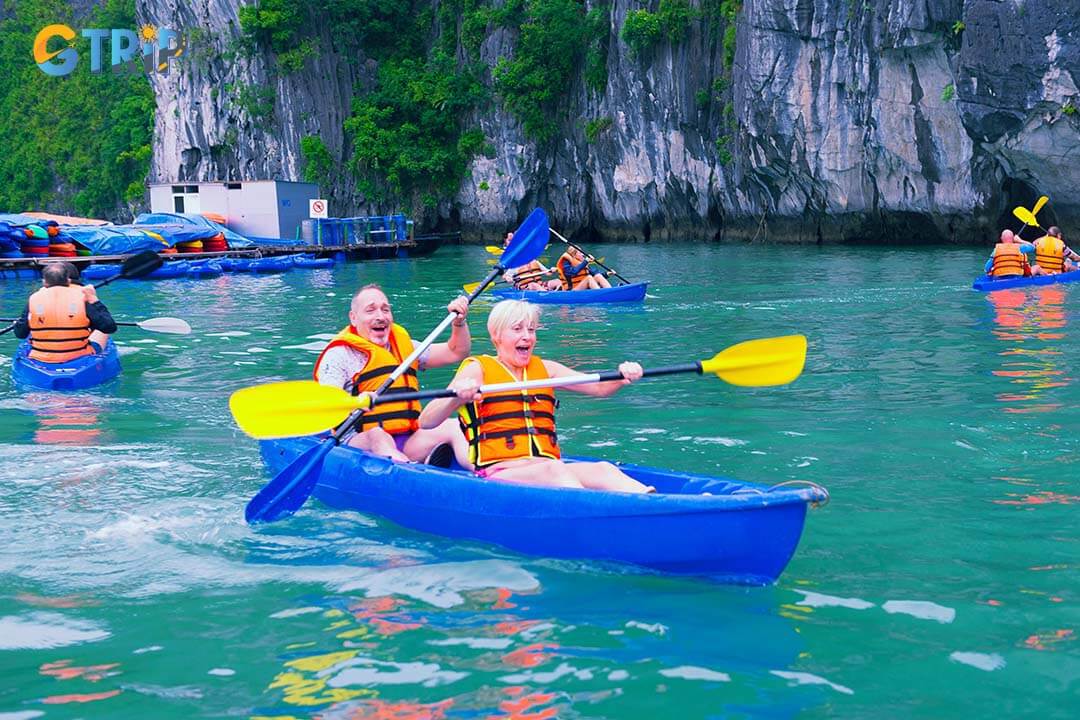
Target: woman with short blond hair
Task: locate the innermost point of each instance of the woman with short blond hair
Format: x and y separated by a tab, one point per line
512	435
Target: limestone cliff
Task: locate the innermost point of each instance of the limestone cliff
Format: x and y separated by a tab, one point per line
841	120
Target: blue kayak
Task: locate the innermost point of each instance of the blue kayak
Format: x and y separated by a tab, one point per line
987	283
695	524
76	374
174	269
306	261
269	265
204	268
635	292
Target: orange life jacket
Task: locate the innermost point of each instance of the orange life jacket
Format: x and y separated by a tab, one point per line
59	327
1050	254
1008	260
569	283
396	418
513	424
528	274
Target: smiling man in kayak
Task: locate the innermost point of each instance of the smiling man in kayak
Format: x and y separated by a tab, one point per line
64	321
512	435
367	351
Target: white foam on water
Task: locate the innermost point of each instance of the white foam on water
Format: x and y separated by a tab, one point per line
603	443
475	643
690	672
801	678
229	334
244	362
293	612
331	294
726	442
45	630
441	584
617	675
322	336
145	341
816	600
920	609
532	676
792	433
311	346
639	439
149	648
169	347
233	352
758	452
409	673
655	628
125	351
21	715
221	672
257	349
981	661
650	431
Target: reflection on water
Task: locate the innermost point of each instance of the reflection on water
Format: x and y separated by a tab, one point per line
65	419
517	655
1032	324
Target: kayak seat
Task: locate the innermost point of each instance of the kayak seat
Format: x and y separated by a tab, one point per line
442	455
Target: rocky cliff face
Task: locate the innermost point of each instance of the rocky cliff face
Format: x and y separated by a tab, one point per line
842	120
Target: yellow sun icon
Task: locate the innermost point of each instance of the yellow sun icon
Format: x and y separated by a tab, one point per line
148	33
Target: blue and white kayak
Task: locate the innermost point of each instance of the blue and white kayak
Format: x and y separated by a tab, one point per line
77	374
987	283
695	524
634	292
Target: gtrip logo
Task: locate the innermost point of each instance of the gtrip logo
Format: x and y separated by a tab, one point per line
150	49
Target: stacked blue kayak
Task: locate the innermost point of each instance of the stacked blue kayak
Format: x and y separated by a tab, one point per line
215	267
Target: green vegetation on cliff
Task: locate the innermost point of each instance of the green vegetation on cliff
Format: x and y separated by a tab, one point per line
75	144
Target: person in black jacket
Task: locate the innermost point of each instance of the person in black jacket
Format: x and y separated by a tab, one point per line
99	323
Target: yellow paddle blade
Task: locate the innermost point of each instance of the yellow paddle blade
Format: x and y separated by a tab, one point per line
1025	216
470	288
757	363
1039	204
494	249
291	409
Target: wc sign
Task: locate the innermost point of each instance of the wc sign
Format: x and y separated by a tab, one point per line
151	47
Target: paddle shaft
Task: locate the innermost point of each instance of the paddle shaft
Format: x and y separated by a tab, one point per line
605	376
592	259
401	369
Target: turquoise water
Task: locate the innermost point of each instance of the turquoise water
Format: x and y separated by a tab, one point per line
940	582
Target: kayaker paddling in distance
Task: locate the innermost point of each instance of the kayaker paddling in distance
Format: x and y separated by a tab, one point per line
1052	255
367	351
1008	259
530	276
576	274
64	321
511	435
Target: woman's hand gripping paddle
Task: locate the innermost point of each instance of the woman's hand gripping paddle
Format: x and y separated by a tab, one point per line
290	488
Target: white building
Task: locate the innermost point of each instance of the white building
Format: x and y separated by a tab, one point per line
253	208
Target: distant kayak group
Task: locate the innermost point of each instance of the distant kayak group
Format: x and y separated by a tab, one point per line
1051	260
